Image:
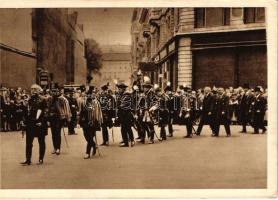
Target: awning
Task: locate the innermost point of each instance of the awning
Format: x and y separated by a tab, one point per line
147	66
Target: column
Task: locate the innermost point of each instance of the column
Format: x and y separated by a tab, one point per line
185	62
186	19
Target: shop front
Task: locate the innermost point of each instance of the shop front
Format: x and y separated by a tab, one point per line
167	66
224	59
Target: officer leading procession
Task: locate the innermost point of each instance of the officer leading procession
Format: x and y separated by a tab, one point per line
137	109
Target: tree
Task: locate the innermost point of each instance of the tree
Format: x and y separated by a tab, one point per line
93	55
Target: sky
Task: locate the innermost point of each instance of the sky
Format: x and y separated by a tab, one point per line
108	26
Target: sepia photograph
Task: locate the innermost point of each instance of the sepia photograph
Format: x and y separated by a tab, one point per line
161	98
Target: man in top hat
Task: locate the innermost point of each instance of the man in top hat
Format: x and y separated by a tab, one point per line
259	108
35	122
73	109
124	114
106	103
59	113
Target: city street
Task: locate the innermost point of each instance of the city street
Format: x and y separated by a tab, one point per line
178	163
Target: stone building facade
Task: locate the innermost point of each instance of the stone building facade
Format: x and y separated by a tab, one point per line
17	58
60	45
77	67
200	46
116	65
48	39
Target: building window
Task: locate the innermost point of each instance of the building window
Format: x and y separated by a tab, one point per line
227	16
178	16
199	17
168	22
211	17
253	15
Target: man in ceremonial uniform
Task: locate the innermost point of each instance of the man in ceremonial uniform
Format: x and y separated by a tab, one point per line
171	107
259	108
124	114
163	114
73	109
35	122
106	103
188	109
90	120
136	97
59	114
146	103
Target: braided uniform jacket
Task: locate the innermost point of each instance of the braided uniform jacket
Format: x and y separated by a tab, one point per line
188	106
91	114
59	108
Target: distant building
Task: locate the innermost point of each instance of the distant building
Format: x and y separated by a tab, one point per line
48	39
116	64
200	46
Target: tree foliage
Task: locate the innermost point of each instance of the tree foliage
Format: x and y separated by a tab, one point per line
93	55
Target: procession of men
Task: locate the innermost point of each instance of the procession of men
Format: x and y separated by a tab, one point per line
136	109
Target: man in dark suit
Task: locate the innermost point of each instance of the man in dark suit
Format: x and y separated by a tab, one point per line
222	113
124	106
243	108
73	108
207	111
106	103
171	107
36	124
259	108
